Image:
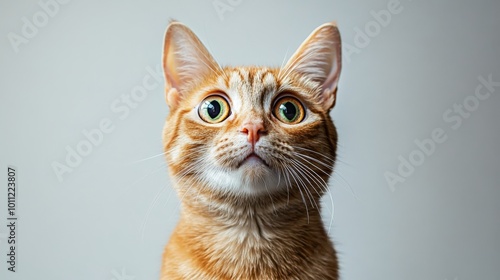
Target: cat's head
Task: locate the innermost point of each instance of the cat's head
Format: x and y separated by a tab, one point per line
251	130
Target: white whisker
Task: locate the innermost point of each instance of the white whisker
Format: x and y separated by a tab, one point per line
300	190
313	202
148	212
314	176
148	158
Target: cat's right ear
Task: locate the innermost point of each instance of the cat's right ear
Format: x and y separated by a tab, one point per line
185	62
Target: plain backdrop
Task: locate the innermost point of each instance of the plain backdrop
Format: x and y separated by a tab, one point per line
403	78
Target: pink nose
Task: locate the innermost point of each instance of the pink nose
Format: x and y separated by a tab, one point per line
253	129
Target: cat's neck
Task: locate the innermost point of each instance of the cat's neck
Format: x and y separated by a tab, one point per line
260	216
255	238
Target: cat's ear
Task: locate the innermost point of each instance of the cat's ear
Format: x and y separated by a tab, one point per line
319	58
185	62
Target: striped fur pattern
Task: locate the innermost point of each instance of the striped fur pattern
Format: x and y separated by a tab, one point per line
250	185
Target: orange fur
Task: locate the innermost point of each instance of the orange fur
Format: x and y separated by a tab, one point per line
244	220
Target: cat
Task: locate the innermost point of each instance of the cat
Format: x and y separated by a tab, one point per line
250	151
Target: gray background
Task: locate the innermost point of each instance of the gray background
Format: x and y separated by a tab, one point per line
111	216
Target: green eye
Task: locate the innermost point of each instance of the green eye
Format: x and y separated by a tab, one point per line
214	109
289	110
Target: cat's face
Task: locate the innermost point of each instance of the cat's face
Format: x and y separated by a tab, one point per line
251	130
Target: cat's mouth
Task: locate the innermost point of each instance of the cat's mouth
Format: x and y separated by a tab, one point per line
253	159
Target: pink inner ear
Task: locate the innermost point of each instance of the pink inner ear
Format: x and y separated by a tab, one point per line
319	58
186	61
331	83
169	66
172	97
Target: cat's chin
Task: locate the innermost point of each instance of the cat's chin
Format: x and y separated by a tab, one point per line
252	176
253	160
254	169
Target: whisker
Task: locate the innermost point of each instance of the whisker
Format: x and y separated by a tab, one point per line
197	180
156	170
283	63
300	190
148	158
288	184
332	212
301	183
329	175
315	152
293	162
148	212
304	157
346	183
314	176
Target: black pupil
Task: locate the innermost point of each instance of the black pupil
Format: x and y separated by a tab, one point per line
213	109
289	110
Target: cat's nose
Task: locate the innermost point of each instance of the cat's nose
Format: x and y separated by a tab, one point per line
254	129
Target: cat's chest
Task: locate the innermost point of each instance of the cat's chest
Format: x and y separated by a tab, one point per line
249	231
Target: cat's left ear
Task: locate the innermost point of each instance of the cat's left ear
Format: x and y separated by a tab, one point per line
186	62
319	58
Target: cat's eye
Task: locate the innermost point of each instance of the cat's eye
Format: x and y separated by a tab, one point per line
289	110
214	109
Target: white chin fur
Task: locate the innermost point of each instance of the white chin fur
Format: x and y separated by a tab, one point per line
251	178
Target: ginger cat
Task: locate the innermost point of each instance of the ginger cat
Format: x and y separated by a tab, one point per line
250	151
